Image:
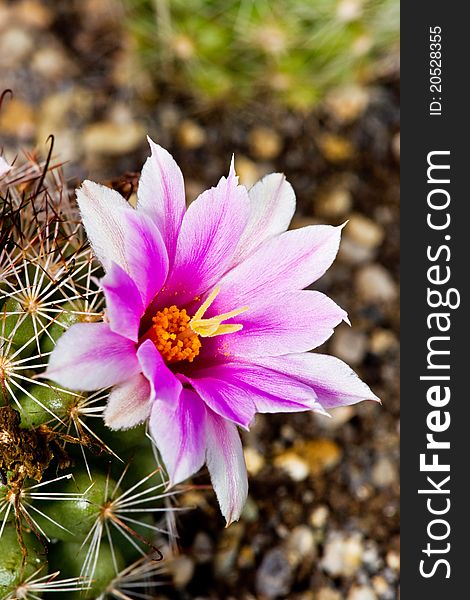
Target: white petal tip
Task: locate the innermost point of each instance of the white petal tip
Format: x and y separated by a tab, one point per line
319	410
231	172
228	523
154	147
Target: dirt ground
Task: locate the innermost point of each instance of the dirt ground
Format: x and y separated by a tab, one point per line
322	519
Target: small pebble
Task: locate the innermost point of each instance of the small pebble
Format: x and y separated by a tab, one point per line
352	253
265	143
393	560
382	340
291	463
375	284
333	203
325	593
17	118
342	554
113	138
338	417
33	13
16	45
246	558
381	585
364	231
346	104
182	570
384	473
335	149
247	171
254	460
191	135
349	345
300	544
319	516
275	574
203	548
50	63
320	454
362	592
371	557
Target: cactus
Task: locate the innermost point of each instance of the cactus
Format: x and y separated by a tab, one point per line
239	51
83	513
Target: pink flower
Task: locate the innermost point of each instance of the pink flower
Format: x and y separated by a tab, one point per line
207	319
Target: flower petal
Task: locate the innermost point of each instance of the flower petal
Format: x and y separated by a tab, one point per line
90	356
295	322
101	209
209	234
334	382
4	166
124	306
288	262
119	234
161	194
179	430
228	400
268	390
163	383
226	465
272	202
128	403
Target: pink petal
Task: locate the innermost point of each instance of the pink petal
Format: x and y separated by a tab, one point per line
124	306
161	194
128	403
227	399
163	383
179	430
90	356
119	234
333	381
209	234
272	202
268	390
226	466
295	322
288	262
147	257
4	166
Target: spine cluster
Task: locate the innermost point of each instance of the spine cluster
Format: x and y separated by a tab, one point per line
84	511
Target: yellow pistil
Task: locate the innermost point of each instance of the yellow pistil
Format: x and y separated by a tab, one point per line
176	335
214	326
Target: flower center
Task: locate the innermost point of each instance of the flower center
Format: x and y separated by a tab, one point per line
172	335
176	335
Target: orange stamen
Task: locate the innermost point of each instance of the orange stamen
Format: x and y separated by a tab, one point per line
176	335
172	335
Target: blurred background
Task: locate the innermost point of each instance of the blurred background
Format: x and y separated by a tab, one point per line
307	87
